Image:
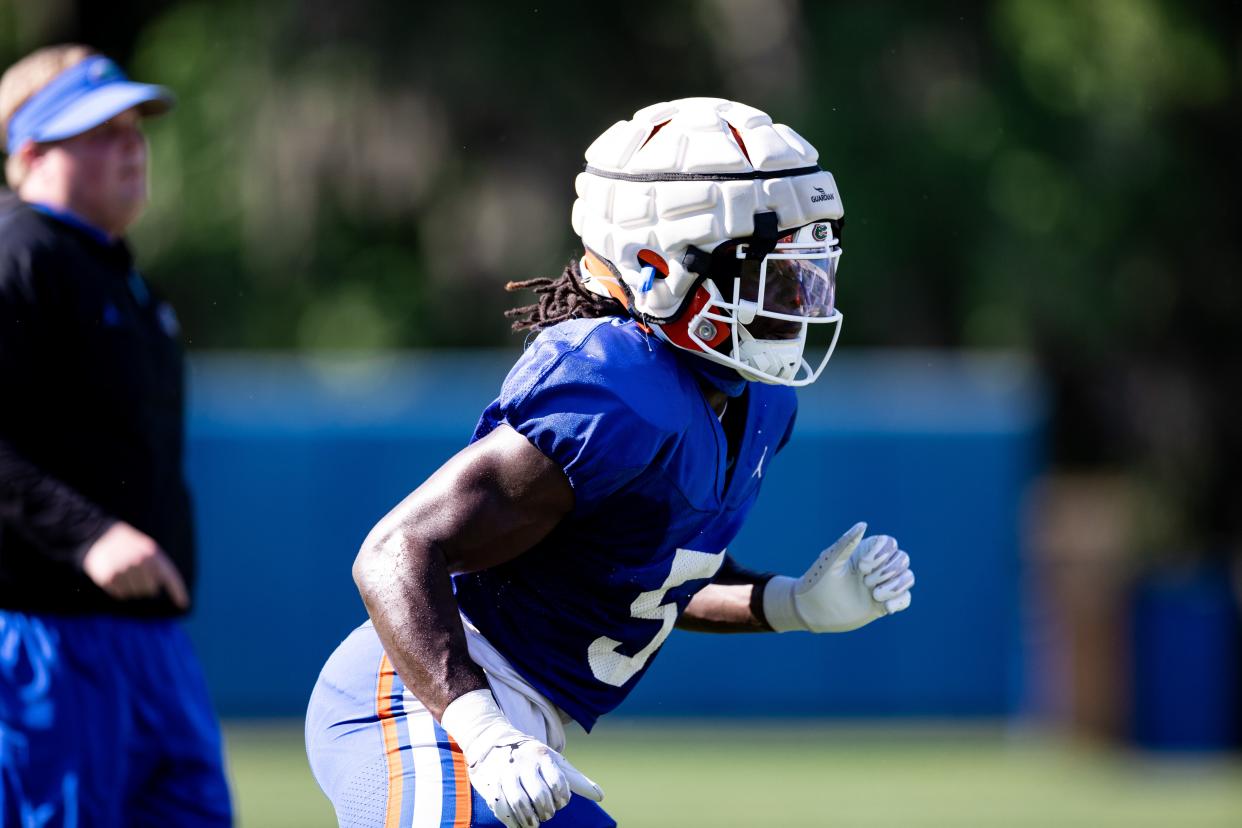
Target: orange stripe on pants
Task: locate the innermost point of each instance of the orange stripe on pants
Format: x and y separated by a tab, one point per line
392	750
461	784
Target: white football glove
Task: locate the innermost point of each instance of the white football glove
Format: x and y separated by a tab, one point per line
854	582
523	781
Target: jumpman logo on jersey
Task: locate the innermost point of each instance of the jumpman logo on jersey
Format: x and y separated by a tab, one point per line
759	468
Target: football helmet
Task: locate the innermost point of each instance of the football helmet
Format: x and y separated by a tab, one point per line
718	231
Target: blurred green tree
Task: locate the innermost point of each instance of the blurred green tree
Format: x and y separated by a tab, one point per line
1049	175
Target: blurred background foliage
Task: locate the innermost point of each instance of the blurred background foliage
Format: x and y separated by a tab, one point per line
1047	175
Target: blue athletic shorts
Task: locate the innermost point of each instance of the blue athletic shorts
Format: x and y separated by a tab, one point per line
105	723
385	762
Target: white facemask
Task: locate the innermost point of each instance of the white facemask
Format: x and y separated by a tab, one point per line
775	302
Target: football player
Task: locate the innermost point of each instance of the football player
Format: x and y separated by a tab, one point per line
530	580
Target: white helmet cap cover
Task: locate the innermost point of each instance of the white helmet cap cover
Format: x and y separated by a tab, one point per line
679	180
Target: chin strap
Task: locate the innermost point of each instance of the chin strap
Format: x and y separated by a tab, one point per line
763	242
758	246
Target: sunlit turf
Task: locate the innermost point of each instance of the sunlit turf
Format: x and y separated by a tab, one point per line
813	774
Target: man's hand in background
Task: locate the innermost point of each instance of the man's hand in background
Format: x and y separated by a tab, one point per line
126	563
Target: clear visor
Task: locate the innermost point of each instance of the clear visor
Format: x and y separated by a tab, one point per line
793	284
780	310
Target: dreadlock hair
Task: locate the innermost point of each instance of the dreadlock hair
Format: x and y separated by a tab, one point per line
560	299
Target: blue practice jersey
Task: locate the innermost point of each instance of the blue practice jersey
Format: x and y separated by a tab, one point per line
656	502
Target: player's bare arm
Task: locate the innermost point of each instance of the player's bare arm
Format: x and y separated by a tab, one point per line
490	503
487	505
852	583
731	603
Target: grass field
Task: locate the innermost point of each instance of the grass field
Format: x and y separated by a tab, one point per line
813	774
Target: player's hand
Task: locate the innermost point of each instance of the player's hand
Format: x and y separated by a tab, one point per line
126	563
523	781
854	582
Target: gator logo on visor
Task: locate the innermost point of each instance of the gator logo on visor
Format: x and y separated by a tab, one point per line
819	232
823	195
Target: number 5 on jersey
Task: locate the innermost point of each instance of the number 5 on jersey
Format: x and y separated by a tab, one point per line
612	667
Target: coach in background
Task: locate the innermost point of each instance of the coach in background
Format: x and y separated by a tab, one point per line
104	713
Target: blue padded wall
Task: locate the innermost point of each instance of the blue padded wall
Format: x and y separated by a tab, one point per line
292	460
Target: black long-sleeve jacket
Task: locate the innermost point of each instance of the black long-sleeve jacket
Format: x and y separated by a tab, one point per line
91	414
